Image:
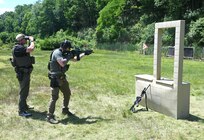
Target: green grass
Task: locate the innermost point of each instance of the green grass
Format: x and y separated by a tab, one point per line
103	90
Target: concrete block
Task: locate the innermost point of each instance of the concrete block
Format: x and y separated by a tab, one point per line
163	98
170	97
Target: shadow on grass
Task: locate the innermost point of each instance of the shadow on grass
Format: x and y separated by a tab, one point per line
194	118
77	120
37	115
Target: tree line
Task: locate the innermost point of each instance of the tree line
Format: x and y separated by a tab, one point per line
103	21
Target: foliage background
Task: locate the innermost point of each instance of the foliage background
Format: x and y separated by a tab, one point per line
103	22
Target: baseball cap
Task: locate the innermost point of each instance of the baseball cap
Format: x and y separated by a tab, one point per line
20	37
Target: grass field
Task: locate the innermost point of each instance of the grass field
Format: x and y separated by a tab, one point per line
103	90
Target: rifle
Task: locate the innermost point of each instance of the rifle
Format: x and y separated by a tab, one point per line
138	99
76	52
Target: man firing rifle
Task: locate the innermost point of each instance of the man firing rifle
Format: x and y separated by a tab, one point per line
57	68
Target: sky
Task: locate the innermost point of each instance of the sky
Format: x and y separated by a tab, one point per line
9	5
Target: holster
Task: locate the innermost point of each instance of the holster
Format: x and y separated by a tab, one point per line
12	62
19	75
53	81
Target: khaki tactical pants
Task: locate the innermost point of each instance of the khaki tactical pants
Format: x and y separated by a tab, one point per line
64	88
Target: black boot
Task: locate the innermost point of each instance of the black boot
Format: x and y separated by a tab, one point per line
66	111
24	114
29	107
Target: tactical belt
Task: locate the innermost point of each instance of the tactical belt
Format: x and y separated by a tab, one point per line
24	69
58	76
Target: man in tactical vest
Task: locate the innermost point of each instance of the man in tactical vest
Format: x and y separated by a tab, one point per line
22	62
57	69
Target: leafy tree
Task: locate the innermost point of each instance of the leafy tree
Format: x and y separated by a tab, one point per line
196	34
1	25
110	19
131	12
47	18
8	21
59	15
34	24
100	4
21	18
80	14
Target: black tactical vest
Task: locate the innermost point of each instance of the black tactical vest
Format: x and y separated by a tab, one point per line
24	61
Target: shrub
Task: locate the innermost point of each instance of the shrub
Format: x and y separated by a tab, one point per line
4	36
49	44
54	41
